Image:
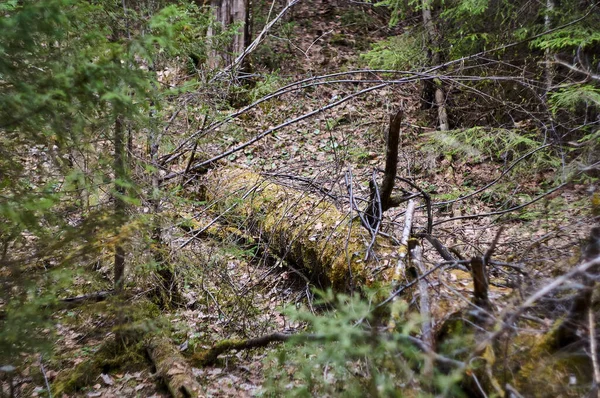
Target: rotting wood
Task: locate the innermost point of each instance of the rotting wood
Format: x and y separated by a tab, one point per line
480	285
172	368
302	228
400	268
378	205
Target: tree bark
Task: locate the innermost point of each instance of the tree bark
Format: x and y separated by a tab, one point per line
228	12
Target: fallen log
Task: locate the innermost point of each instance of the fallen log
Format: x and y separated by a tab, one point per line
172	368
302	228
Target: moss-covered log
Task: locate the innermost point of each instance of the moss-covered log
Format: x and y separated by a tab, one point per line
304	229
172	368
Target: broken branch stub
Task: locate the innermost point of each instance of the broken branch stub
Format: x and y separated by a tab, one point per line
302	228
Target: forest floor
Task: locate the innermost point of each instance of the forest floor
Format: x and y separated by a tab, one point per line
232	290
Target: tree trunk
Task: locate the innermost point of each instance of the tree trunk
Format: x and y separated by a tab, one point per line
168	290
549	69
433	91
120	175
228	12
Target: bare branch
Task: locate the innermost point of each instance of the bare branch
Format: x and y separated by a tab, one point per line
505	172
276	128
499	212
588	74
532	299
594	348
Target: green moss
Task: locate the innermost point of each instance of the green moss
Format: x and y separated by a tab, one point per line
542	371
308	231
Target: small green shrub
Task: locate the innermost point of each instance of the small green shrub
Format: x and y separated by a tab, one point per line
478	143
269	84
352	356
403	52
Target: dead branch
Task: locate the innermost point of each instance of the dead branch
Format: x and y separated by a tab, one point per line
500	212
403	250
588	74
416	254
353	205
391	159
594	349
488	254
274	129
86	298
480	284
377	212
298	85
438	246
505	172
427	200
509	321
209	357
481	281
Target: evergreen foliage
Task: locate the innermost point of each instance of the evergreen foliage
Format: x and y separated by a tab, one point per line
70	71
349	356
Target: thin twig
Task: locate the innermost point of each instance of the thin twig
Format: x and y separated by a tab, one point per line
377	216
505	172
45	377
594	348
276	128
401	289
532	299
353	204
490	251
252	46
500	212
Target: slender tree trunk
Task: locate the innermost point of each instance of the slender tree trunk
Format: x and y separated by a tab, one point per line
168	291
549	70
119	171
433	91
